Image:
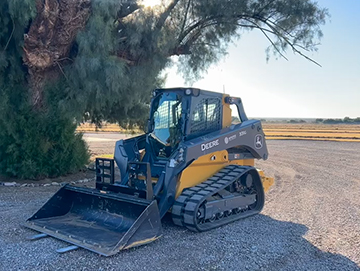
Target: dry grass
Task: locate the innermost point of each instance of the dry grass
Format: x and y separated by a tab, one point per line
107	127
311	131
305	131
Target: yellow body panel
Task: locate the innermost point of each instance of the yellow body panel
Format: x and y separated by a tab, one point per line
226	119
267	182
206	166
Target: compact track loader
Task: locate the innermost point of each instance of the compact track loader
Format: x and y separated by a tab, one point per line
192	162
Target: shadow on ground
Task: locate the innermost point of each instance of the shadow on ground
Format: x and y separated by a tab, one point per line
259	243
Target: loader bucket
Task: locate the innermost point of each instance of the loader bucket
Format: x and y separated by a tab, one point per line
102	222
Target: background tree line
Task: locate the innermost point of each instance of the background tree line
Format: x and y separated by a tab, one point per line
345	120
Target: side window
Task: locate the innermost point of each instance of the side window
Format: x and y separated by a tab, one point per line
206	117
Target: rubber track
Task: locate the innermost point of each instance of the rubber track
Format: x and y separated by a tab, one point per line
186	205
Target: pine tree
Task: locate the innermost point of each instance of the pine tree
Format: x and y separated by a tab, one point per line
62	62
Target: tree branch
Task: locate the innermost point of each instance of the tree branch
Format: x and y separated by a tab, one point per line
269	39
279	34
160	23
188	35
130	8
186	13
264	7
12	33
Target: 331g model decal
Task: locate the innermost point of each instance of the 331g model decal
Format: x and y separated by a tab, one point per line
242	133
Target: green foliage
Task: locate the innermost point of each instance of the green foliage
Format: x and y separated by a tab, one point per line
332	121
296	121
97	75
350	120
346	120
36	145
33	144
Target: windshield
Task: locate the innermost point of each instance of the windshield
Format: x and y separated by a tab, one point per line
166	120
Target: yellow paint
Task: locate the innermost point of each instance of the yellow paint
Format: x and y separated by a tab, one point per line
267	182
205	167
226	119
243	162
347	135
311	131
142	154
141	242
312	139
143	177
108	156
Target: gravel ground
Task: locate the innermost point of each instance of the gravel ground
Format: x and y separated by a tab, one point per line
311	221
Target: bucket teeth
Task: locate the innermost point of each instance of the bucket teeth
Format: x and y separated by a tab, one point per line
37	236
66	249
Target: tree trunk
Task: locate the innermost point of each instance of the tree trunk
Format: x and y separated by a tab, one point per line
49	40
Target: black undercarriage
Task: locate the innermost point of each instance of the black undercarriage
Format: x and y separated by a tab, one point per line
234	192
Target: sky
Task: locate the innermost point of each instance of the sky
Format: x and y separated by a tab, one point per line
296	88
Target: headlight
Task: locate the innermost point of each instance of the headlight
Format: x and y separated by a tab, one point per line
188	91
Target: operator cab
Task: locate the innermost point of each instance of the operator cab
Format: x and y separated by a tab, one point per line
177	115
180	114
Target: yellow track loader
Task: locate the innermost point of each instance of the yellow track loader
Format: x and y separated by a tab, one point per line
192	162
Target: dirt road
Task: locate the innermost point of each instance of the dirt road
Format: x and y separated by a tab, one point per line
311	221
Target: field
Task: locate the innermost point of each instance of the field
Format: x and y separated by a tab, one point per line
311	131
303	131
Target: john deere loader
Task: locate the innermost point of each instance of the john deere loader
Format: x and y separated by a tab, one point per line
192	162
